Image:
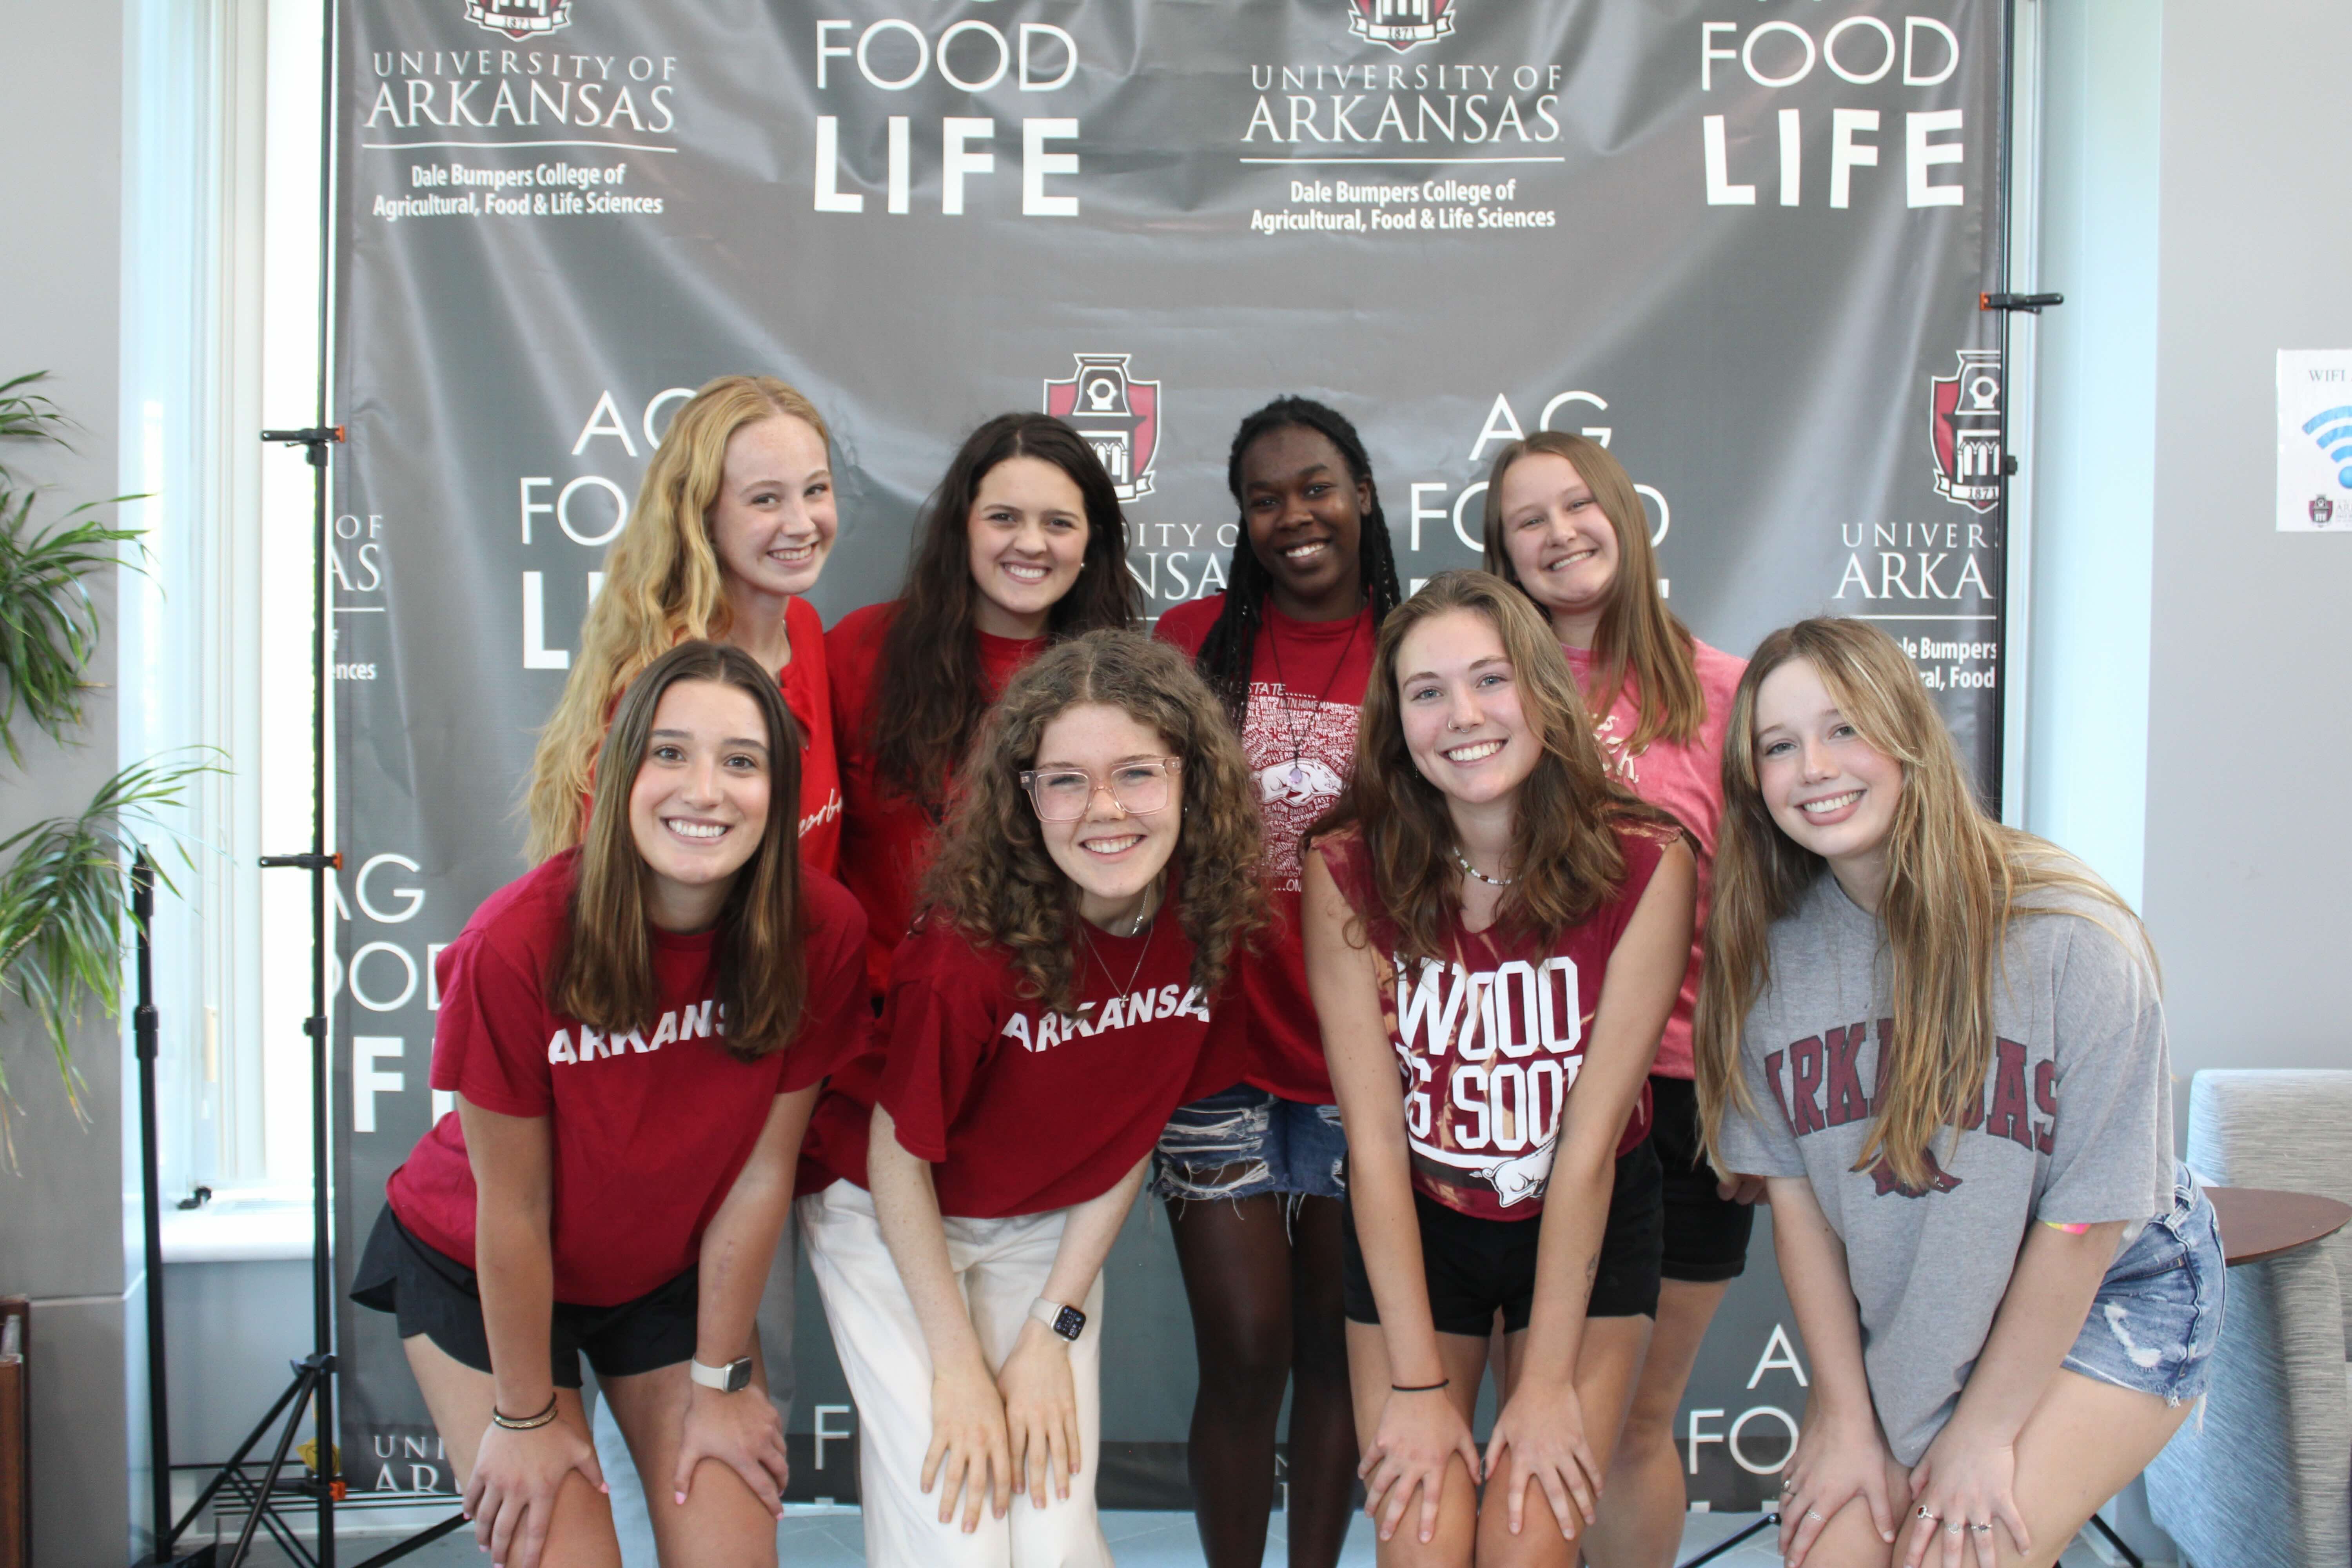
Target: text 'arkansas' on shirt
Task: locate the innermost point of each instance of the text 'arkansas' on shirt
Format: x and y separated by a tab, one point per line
700	1020
1044	1031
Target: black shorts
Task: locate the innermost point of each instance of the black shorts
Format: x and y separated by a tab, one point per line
1707	1236
432	1294
1475	1266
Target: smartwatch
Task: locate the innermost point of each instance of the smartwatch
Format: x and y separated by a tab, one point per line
1067	1321
732	1378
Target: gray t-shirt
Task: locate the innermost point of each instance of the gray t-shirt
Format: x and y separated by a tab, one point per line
2076	1127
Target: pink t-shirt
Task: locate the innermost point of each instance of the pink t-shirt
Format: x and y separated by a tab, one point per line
1685	778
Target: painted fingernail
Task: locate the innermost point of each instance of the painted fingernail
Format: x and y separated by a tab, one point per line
602	1488
679	1498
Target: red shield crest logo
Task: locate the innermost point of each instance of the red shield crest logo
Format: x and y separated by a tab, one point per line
2323	510
1402	25
520	18
1965	431
1116	414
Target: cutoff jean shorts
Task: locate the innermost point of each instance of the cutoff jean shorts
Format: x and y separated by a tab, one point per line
2158	1315
1281	1145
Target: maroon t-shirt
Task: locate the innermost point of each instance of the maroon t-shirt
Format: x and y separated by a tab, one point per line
1306	701
1021	1109
885	837
651	1126
1489	1043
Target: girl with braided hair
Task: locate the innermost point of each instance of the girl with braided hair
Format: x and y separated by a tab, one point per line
1252	1174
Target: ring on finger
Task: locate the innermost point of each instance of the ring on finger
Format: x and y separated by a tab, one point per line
1815	1513
1981	1528
1924	1511
1955	1527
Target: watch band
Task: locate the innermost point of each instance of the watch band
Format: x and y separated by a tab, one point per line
732	1378
1067	1321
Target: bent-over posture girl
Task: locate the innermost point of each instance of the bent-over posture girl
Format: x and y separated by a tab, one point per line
635	1033
1565	524
1939	1040
1251	1173
1092	882
1494	933
1023	541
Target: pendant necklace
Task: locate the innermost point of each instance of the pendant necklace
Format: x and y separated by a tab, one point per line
1297	773
1464	861
1147	925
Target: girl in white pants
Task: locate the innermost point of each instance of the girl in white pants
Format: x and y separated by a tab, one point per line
1043	1019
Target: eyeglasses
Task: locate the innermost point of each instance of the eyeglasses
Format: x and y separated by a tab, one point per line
1138	789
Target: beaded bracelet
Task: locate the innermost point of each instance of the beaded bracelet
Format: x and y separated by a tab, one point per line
524	1423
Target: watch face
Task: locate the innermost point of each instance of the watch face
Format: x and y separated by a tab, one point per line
1070	1322
739	1375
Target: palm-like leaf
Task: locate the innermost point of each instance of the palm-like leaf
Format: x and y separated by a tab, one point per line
29	415
48	625
62	900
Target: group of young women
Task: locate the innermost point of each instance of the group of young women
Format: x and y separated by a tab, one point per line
1458	968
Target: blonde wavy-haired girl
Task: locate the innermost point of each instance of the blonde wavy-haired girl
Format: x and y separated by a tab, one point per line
1939	1040
732	523
1096	874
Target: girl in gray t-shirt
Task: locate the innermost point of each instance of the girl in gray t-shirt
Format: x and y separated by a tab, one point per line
1939	1039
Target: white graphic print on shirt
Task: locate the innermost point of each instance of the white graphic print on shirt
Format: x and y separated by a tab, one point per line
1300	749
688	1023
1489	1056
1044	1031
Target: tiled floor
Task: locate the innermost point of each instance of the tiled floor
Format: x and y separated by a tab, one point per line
830	1538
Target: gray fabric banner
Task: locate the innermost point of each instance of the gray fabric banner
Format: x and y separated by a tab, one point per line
1740	244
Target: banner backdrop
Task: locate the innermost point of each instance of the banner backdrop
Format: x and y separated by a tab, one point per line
1742	245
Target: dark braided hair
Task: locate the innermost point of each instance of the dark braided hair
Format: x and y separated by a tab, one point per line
1225	653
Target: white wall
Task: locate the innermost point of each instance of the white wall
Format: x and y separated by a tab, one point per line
62	1220
2249	853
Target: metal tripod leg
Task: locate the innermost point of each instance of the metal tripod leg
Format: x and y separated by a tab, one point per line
304	1383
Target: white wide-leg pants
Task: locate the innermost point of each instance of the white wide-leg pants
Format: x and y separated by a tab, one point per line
1002	1266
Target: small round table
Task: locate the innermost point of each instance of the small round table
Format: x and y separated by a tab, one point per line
2259	1222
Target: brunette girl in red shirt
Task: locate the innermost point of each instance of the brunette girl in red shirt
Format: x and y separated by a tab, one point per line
1251	1173
635	1033
1022	542
1494	934
1094	882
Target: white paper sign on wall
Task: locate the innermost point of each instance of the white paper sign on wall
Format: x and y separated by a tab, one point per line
2314	440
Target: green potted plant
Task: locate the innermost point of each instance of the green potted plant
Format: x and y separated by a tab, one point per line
63	889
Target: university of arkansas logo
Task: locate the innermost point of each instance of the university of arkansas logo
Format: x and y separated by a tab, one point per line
520	18
1966	431
1115	415
1402	25
2323	510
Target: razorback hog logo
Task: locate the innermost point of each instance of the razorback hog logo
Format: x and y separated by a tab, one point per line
1939	1180
1402	25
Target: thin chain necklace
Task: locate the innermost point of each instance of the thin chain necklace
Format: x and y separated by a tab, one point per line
1464	861
1147	926
1298	774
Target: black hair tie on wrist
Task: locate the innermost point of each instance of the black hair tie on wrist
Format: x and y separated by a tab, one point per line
1420	1387
524	1423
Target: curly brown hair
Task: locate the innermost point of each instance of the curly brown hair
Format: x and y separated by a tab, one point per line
992	876
1565	859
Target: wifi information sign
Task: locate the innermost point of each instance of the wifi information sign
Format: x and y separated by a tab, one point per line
2314	441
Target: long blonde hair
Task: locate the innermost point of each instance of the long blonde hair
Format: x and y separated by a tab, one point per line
1565	856
663	585
1954	879
1638	636
994	877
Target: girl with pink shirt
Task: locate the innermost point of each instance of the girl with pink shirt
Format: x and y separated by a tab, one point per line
1566	525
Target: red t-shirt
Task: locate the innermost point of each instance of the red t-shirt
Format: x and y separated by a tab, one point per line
884	837
808	695
1685	778
807	698
650	1128
1306	701
1020	1109
1483	1133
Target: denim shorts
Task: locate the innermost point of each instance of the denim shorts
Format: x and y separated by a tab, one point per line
2154	1322
1280	1146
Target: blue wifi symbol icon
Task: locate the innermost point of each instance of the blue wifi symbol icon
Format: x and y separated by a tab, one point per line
2335	440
